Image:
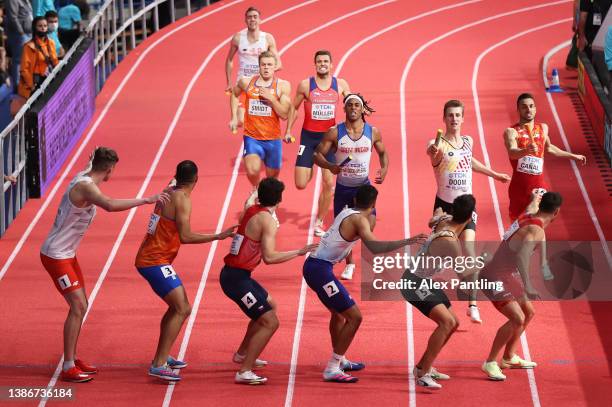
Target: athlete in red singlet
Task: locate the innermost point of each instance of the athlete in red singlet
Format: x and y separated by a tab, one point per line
255	241
320	94
512	299
526	142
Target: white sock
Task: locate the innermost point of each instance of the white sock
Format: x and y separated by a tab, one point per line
334	363
68	364
240	357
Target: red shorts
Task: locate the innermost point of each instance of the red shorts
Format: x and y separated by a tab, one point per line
66	273
520	196
510	290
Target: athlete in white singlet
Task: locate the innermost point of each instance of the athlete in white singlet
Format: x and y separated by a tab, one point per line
248	44
58	253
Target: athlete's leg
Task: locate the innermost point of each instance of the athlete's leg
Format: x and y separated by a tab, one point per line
262	330
513	327
447	324
327	193
528	314
171	323
272	172
251	329
468	238
77	300
345	326
233	124
302	176
252	165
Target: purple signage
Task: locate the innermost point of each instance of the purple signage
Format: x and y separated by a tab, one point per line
65	116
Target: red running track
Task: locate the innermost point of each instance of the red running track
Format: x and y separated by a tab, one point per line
423	52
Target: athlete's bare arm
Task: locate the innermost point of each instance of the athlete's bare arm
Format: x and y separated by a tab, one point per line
272	48
383	157
282	103
514	152
343	88
268	228
434	153
301	93
85	194
479	167
532	236
329	142
229	60
182	216
359	226
557	152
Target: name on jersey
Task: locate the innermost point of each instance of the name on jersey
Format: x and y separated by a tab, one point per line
259	108
349	150
530	165
323	111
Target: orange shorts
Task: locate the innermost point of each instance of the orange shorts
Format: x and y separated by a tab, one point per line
66	273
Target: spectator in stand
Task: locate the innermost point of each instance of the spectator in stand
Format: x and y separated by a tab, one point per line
41	7
38	59
70	20
571	62
52	27
608	55
4	78
11	179
19	30
592	15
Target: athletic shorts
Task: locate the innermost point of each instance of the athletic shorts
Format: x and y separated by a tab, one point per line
511	290
309	141
270	151
344	197
162	278
424	299
448	208
250	296
319	275
65	273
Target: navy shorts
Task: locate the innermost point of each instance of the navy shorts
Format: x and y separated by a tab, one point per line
250	296
162	278
309	141
448	208
423	299
269	151
320	277
344	197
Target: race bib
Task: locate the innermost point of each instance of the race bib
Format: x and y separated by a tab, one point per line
250	70
511	230
168	272
153	221
597	19
530	165
331	289
458	181
236	243
323	111
259	108
249	300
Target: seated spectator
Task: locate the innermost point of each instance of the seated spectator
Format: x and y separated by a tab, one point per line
41	7
52	26
18	30
38	59
69	24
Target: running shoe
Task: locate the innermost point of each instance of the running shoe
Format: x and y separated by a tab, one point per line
517	363
349	366
75	375
249	377
240	358
427	381
493	371
318	228
438	375
338	376
474	313
347	274
85	368
165	373
175	364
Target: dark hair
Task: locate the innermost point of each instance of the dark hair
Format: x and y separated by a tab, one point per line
367	109
522	97
463	206
266	54
186	172
453	103
104	159
270	191
35	21
366	197
50	14
551	201
251	9
322	52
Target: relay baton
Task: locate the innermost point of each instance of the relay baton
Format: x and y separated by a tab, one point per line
439	137
346	161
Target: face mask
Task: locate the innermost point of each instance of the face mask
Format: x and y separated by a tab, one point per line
53	27
41	34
